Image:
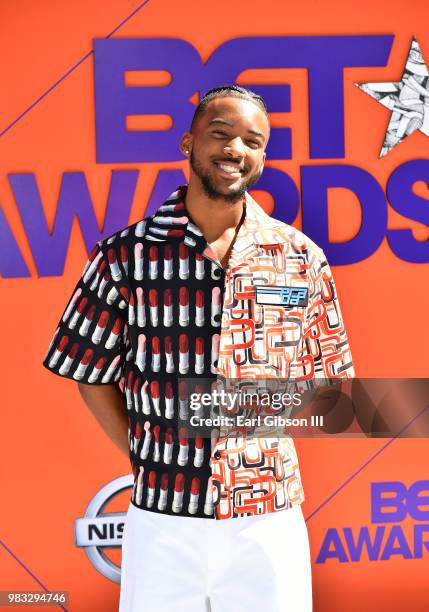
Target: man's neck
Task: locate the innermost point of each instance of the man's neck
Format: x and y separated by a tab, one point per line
213	217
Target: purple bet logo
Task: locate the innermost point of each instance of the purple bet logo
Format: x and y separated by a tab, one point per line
324	57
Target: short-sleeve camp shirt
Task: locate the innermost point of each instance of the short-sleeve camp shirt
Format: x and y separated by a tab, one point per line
154	304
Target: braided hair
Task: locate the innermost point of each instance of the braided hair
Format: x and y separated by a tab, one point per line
228	91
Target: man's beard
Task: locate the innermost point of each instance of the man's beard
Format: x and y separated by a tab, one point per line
210	189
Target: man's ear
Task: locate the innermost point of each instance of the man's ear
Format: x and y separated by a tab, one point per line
186	144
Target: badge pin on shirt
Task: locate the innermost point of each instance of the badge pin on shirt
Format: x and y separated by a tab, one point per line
282	296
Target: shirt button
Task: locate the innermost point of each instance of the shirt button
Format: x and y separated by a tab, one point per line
216	318
217	273
217	455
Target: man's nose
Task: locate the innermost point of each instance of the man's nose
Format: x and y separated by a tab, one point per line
235	148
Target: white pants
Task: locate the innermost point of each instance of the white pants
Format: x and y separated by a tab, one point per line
249	564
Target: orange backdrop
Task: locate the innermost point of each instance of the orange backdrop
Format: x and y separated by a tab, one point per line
54	456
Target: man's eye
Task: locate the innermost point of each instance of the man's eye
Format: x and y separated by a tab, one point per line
254	144
216	133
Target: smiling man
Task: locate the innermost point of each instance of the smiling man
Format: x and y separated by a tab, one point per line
208	286
226	147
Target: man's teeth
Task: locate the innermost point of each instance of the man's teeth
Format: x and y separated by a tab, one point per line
229	169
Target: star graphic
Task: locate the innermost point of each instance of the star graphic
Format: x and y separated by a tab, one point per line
408	100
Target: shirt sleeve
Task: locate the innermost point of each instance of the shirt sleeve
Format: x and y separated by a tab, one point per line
87	345
325	350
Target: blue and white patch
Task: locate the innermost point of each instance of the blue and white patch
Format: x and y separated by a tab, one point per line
281	296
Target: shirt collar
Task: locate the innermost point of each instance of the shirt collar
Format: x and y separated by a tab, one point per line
173	223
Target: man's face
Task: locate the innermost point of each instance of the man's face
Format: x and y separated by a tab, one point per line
228	147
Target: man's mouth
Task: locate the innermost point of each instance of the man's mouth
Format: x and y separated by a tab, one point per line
231	170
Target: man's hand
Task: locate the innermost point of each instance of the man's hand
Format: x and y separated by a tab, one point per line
107	403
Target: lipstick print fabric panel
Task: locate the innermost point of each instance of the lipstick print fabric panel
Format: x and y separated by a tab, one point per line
88	343
165	299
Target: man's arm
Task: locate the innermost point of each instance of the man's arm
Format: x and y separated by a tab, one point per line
107	404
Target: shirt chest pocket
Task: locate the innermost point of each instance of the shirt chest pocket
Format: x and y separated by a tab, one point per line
278	328
265	321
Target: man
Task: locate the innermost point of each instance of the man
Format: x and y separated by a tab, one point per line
188	293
